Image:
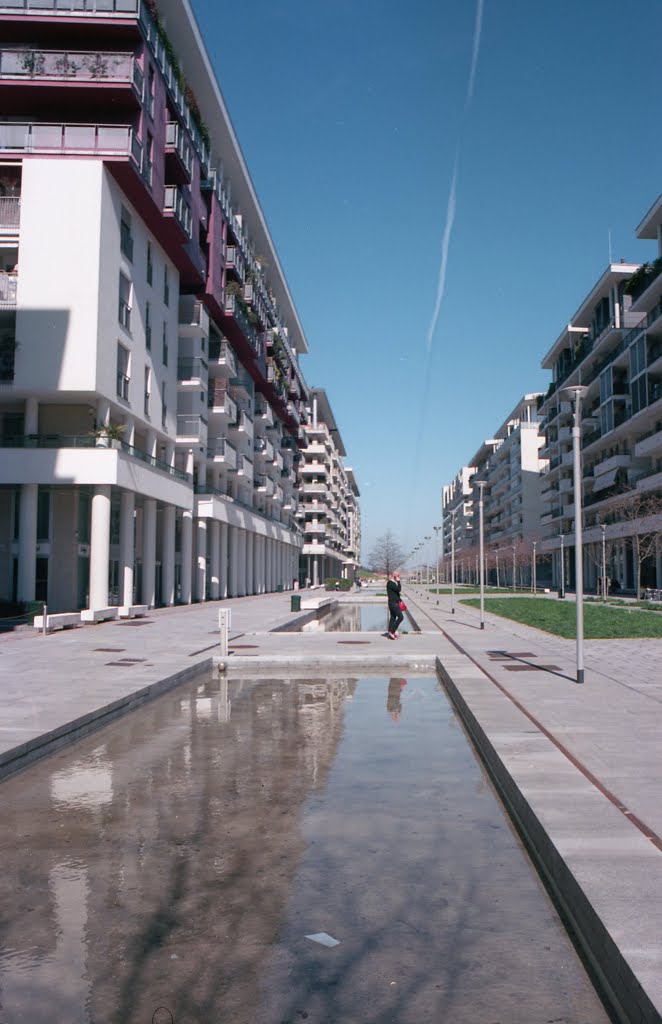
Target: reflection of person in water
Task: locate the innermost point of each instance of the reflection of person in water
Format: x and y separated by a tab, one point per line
393	700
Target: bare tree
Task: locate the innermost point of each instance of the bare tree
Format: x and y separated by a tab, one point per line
387	555
641	517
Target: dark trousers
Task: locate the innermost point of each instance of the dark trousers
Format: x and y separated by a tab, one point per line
395	617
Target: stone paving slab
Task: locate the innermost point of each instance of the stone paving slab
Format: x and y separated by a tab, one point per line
579	766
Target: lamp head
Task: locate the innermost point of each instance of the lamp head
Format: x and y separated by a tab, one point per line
574	392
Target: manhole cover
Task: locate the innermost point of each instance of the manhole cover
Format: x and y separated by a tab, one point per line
532	668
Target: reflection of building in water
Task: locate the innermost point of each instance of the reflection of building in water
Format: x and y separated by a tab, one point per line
179	835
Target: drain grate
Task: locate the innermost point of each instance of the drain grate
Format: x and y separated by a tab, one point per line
244	647
353	641
109	650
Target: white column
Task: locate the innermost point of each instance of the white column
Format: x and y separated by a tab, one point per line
201	560
268	580
233	575
263	564
31	416
127	545
250	561
187	555
214	559
100	546
27	542
149	552
223	570
241	564
315	570
168	556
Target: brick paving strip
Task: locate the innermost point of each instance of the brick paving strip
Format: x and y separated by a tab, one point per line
579	767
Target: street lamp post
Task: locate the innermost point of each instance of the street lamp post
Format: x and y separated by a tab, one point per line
604	564
453	511
436	554
481	488
514	547
577	392
427	567
496	556
534	568
562	567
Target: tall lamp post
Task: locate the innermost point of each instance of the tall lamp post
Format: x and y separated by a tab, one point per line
534	568
514	547
575	393
427	567
436	554
604	564
481	546
496	556
453	511
562	567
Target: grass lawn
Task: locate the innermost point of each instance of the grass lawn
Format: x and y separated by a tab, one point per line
558	617
462	589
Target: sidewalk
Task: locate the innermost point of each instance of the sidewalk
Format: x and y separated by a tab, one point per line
579	766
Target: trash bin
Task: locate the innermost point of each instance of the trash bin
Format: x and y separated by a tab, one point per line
295	603
279	588
560	592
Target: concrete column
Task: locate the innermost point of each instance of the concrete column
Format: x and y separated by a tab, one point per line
214	559
316	574
168	556
263	565
127	545
241	564
100	546
31	416
250	562
103	412
233	576
129	432
27	542
187	555
149	552
201	560
268	578
223	569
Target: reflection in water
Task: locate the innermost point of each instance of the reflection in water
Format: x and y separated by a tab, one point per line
355	618
394	698
179	858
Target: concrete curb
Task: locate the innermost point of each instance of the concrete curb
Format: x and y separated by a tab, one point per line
620	984
329	662
24	754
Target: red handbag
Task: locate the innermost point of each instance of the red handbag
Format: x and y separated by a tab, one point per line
403	606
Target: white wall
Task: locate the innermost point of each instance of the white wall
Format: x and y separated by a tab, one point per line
58	280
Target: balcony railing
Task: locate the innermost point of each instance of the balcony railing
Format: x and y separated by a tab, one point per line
65	8
221	353
175	205
75	139
222	450
10	212
191	369
177	142
191	426
90	441
234	309
66	65
8	286
219	401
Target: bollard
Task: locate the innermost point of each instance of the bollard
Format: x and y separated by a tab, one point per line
44	619
224	619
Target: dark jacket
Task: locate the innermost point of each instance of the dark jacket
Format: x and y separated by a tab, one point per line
393	593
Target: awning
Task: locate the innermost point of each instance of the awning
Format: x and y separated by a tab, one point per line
606	480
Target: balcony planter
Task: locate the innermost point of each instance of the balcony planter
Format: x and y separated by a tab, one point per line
110	435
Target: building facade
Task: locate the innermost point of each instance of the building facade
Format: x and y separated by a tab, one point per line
613	347
152	406
329	511
510	464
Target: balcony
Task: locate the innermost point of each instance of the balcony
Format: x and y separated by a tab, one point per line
77	8
25	70
191	372
191	428
223	453
104	140
649	483
263	449
234	307
613	462
265	413
651	444
264	485
10	217
243	424
234	261
179	154
222	362
176	208
244	466
220	403
8	288
90	441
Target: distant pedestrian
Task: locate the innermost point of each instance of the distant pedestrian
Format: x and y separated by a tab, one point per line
395	609
394	698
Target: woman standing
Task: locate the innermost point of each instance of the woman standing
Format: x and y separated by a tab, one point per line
393	589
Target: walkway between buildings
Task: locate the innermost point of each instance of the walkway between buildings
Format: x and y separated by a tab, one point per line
579	766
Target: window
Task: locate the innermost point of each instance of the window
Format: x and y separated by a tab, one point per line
125	302
607	418
147	162
126	238
165	344
166	287
164	407
150	90
43	514
148	326
638	356
150	265
148	380
639	393
122	372
606	385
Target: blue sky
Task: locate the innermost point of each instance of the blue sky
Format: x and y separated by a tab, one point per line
350	114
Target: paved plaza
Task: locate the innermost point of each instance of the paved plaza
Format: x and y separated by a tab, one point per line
578	766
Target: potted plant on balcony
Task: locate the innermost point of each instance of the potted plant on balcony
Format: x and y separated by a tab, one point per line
108	435
33	63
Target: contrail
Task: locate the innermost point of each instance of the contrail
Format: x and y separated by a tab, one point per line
450	210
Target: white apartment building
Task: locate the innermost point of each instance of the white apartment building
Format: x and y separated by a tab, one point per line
151	400
329	508
510	464
613	345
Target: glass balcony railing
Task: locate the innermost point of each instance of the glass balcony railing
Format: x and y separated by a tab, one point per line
191	369
69	65
176	206
10	212
8	288
70	139
90	441
79	8
176	142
